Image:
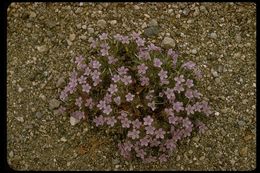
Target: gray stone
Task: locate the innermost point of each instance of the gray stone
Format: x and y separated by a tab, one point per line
238	38
153	22
213	35
194	51
32	15
217	80
151	31
202	158
241	123
11	154
38	115
186	11
115	161
101	23
91	30
136	7
42	48
83	37
167	41
78	26
214	73
60	82
54	103
28	25
113	22
20	119
84	26
72	37
20	89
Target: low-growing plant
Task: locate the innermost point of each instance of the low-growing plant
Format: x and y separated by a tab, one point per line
144	93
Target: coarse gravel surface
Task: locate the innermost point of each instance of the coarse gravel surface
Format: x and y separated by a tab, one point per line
42	39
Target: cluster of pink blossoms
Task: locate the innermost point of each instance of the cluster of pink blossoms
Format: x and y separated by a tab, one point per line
109	88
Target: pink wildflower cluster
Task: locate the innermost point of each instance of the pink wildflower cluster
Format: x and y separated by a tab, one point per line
139	89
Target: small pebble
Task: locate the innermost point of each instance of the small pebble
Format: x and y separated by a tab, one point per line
84	27
113	22
101	23
20	89
20	119
91	30
32	14
194	51
72	37
63	139
38	115
11	154
202	158
54	103
213	35
167	41
42	48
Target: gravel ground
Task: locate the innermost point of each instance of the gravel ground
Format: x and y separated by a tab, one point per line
44	37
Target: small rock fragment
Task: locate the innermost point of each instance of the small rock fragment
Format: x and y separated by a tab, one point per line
101	23
153	22
60	82
213	35
20	119
113	22
54	103
167	41
72	37
32	15
42	48
74	121
151	31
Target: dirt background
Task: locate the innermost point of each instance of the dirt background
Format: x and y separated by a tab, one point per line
42	39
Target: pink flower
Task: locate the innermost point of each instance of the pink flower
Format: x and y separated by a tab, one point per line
107	109
196	94
189	65
173	120
144	55
118	37
178	106
178	87
144	141
189	83
189	94
112	60
89	103
93	44
142	68
140	42
163	158
136	124
95	75
86	88
82	79
111	121
170	94
153	47
151	105
125	123
116	78
117	100
179	79
78	102
135	35
186	122
126	79
133	134
108	98
95	64
163	74
160	133
122	70
122	116
99	120
189	109
87	71
169	111
96	81
103	36
149	130
125	39
144	81
101	105
128	146
113	88
129	97
157	62
148	120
